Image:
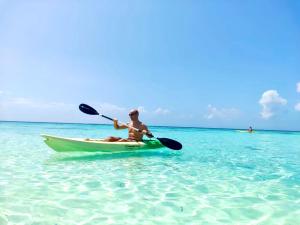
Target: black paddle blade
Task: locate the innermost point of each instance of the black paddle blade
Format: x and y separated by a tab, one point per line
88	109
169	143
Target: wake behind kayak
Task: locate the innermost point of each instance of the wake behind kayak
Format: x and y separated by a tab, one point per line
62	144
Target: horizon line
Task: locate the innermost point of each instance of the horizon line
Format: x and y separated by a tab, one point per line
21	121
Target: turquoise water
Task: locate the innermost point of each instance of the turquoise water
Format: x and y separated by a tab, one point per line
220	177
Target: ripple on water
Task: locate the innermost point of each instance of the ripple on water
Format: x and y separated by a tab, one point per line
218	178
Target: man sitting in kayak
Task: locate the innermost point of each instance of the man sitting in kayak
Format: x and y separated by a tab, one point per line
133	135
250	130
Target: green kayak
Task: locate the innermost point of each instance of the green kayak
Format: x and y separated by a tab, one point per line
62	144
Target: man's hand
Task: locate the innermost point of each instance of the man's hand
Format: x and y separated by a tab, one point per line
121	126
147	133
116	125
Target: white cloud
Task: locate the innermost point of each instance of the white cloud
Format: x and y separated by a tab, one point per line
23	101
223	113
105	107
31	109
111	108
161	111
297	107
298	87
31	103
141	109
28	109
271	102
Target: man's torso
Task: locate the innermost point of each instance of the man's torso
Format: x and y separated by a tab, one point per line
133	134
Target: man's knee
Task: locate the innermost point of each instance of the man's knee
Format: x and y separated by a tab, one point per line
112	139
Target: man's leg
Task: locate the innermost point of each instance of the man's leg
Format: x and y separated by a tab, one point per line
112	139
126	140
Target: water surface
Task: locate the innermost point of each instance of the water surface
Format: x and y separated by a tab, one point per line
220	177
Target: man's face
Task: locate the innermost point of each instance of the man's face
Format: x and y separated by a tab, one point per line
134	114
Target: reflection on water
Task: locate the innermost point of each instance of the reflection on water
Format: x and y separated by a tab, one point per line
58	157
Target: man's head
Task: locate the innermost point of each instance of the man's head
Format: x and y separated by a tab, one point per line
134	114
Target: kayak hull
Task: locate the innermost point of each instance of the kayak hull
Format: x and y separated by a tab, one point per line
245	131
61	144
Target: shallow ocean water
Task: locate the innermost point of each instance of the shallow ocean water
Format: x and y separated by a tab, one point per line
220	177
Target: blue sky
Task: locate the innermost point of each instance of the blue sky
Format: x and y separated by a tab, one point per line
184	63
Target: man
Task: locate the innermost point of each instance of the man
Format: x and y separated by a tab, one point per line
133	135
250	130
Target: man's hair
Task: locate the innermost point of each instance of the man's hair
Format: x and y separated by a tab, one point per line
134	111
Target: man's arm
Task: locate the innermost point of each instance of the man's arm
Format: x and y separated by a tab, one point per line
119	127
147	132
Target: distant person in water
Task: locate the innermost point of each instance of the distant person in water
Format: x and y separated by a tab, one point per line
133	135
250	130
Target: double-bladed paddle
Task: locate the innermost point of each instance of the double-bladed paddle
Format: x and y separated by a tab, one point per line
167	142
